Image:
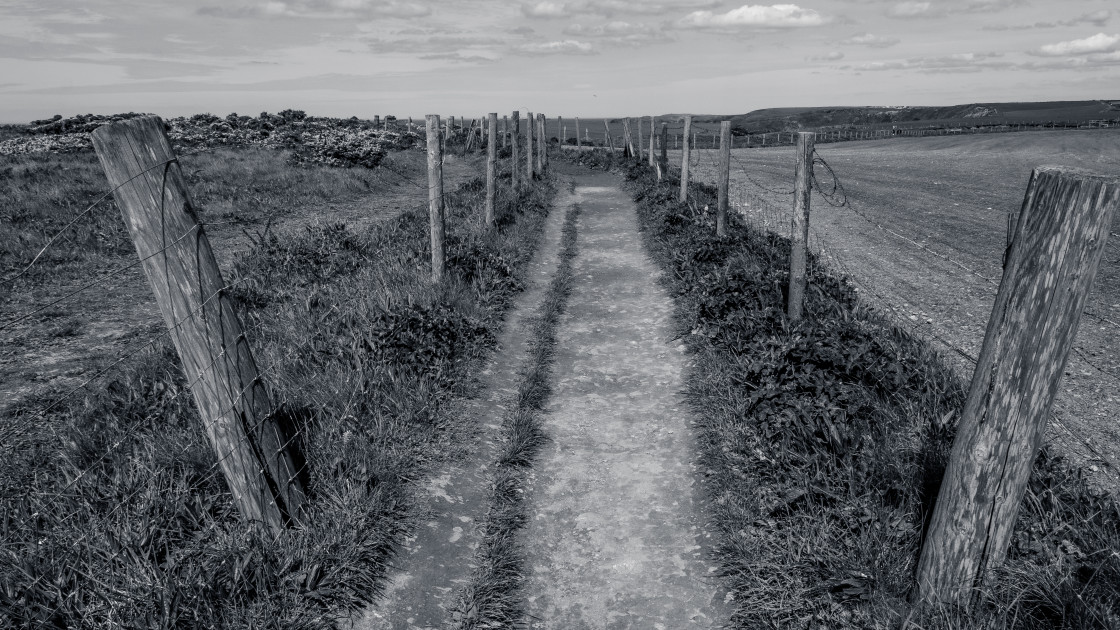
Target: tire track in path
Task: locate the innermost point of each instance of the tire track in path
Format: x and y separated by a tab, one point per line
617	536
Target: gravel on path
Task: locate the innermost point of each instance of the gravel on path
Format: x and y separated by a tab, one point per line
617	536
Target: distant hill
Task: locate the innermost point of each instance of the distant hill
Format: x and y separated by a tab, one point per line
811	118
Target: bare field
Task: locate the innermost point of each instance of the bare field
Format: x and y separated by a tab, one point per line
952	195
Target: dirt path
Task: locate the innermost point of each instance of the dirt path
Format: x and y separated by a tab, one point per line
435	562
616	537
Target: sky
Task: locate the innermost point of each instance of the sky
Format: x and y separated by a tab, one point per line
562	58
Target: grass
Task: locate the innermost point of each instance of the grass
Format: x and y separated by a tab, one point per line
493	597
40	194
114	514
823	444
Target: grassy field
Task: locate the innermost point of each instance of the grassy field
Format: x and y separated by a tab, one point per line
953	195
822	445
115	514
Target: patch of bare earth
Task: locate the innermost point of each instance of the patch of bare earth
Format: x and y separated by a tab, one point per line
952	196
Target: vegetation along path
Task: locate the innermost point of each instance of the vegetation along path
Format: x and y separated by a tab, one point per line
616	537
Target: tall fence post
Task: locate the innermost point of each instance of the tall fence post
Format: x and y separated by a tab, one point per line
652	135
799	230
530	122
435	196
253	450
541	143
684	159
664	151
627	143
514	140
1058	241
609	140
724	176
491	167
638	147
579	143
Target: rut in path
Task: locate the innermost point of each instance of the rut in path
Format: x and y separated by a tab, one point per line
616	535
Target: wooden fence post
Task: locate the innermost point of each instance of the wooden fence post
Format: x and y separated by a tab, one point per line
505	131
253	451
579	144
542	144
530	122
799	230
724	176
684	159
652	135
664	151
1058	241
514	139
435	196
627	144
607	137
638	147
491	168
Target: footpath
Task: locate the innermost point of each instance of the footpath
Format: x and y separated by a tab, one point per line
616	534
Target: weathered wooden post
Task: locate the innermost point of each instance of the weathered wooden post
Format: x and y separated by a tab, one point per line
514	139
652	135
684	159
530	122
1058	240
638	146
627	144
608	139
542	144
491	168
435	196
799	230
664	150
579	144
376	121
254	452
724	176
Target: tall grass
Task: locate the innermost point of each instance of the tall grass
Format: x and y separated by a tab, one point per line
114	514
42	193
823	444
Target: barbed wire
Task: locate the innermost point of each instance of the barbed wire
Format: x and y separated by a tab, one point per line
93	205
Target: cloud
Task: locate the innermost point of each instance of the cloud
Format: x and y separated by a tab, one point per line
835	55
991	6
560	47
872	41
1099	43
321	9
610	8
618	32
545	10
1096	18
757	16
913	10
960	62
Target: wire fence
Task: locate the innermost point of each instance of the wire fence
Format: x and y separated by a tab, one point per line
758	200
55	499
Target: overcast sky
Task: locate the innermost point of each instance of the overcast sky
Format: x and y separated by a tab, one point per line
571	58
